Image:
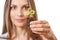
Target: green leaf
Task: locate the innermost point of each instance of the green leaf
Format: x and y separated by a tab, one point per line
30	11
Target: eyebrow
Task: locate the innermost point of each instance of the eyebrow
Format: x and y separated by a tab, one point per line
25	5
15	4
12	5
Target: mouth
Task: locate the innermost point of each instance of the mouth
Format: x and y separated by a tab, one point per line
20	20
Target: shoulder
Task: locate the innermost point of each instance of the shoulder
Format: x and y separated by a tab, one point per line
3	36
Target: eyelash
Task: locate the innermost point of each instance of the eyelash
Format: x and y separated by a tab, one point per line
26	7
13	7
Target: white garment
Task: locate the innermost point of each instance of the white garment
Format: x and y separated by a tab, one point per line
3	36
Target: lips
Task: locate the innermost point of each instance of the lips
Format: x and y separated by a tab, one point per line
20	20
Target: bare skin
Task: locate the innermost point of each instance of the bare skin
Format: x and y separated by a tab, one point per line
18	18
42	28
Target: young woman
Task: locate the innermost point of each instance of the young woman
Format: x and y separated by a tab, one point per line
16	26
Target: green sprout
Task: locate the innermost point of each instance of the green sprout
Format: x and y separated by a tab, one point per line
30	11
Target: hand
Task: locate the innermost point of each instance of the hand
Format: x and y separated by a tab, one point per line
40	27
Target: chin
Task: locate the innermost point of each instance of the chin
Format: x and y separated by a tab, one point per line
20	24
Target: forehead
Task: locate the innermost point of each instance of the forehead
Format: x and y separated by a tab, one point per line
19	2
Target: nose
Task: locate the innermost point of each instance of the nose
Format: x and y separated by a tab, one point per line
19	12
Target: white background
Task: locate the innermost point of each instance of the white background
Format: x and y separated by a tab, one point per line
47	10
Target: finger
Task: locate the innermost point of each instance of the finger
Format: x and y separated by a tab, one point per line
40	29
38	22
43	37
40	26
41	33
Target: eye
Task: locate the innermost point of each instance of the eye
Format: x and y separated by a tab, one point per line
26	7
13	7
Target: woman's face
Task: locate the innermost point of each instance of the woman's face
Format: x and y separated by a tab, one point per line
18	12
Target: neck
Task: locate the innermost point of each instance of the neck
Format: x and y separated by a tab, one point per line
21	30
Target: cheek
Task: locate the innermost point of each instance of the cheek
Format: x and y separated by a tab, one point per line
12	16
24	12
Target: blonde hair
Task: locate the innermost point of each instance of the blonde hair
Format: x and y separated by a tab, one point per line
7	24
